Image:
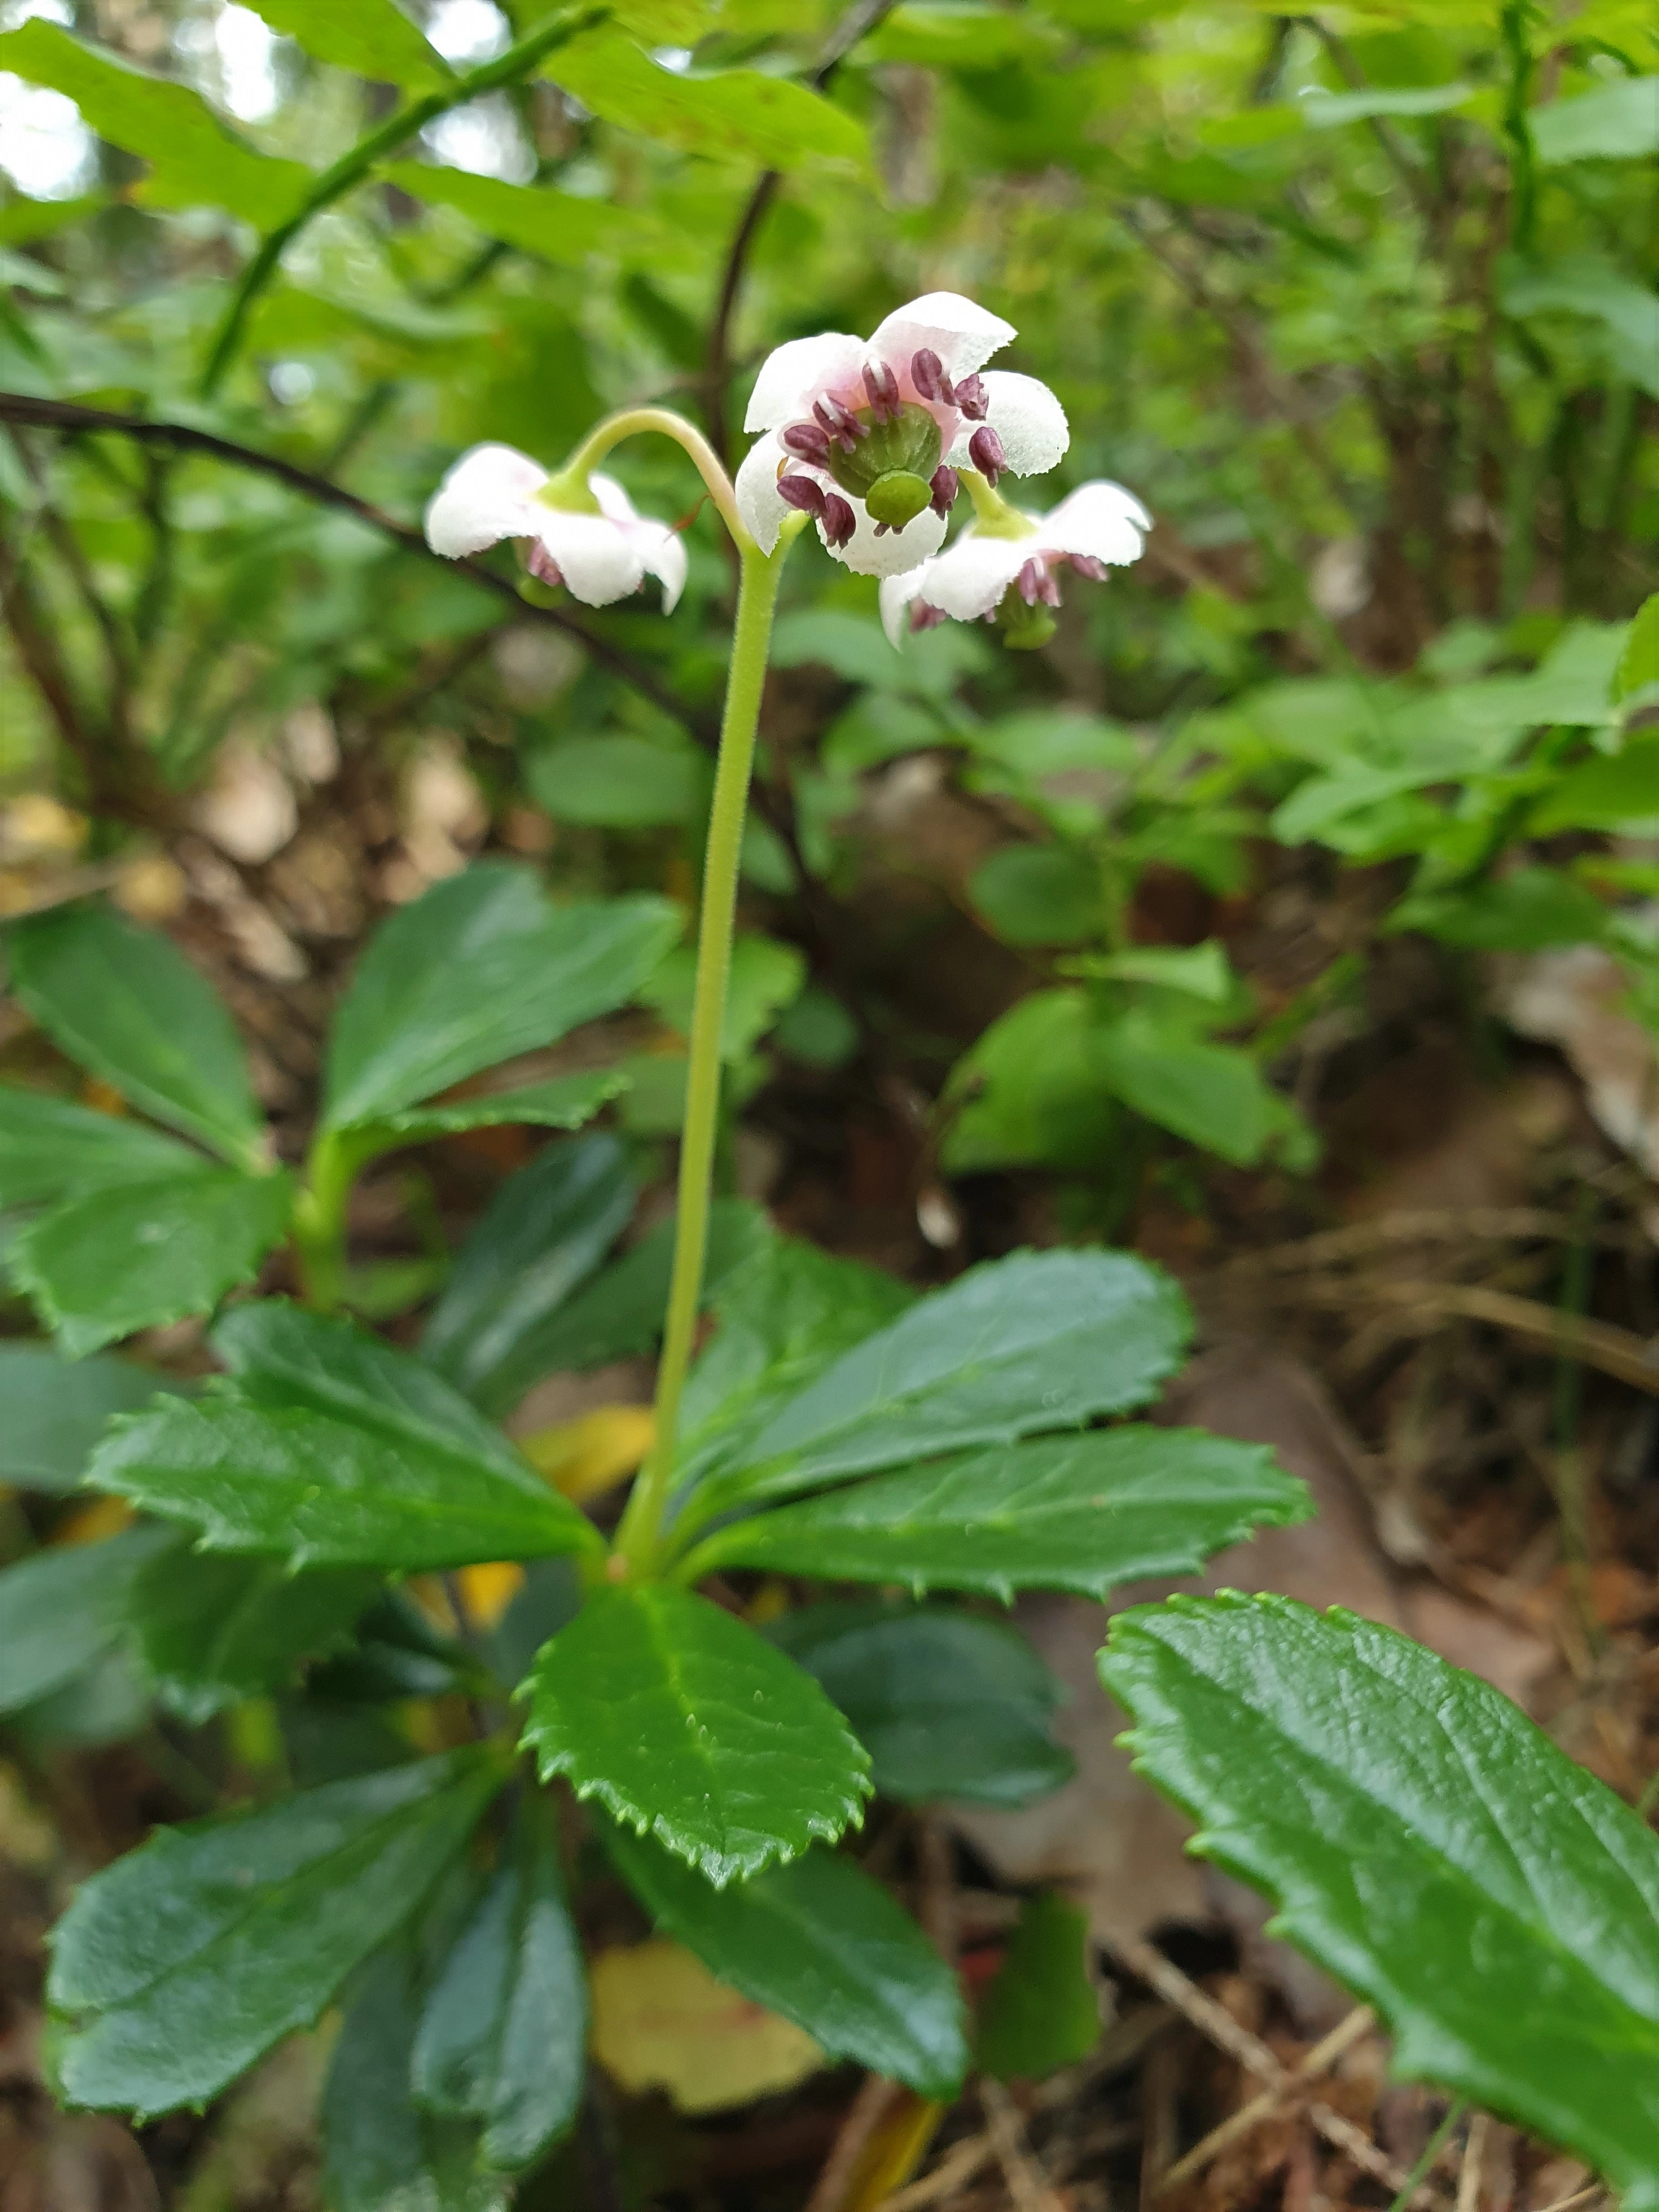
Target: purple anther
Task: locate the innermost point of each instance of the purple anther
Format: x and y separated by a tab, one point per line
985	452
542	565
945	484
972	399
838	521
802	494
807	443
922	617
927	375
845	428
882	386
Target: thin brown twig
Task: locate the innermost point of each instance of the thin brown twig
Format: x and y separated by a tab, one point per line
1438	1225
1474	2167
1320	2060
1027	2184
1612	1351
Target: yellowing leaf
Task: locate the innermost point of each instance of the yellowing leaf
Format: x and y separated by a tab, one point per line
90	1524
583	1457
895	2148
662	2021
487	1590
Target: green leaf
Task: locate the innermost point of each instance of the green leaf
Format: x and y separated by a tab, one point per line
1199	971
543	1234
330	1449
1212	1094
213	1631
379	2154
62	1609
196	161
53	1412
1524	912
1038	894
1426	1844
50	1149
1619	122
1038	1340
1085	1513
619	782
1028	1093
125	1004
1602	792
1324	111
1586	284
372	36
732	114
564	1101
478	968
1041	2013
766	976
1638	664
684	1724
101	1266
945	1704
502	2034
821	1944
183	1962
557	226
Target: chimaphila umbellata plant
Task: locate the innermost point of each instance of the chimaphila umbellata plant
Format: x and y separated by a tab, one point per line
835	1428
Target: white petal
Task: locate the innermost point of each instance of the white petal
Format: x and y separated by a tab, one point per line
1099	519
795	374
756	487
895	551
895	595
600	561
614	502
664	559
1027	417
960	331
484	497
970	579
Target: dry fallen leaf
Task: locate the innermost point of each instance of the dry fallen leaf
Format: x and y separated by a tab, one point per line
662	2021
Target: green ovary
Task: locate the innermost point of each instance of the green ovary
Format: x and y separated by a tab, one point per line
897	497
897	454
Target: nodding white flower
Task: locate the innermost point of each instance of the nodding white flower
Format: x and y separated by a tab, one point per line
867	436
588	538
1007	566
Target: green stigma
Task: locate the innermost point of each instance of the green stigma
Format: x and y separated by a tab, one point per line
897	497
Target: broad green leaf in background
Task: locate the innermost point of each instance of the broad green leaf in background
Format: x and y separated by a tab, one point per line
177	1967
1324	111
1085	1513
372	36
946	1705
1041	2013
61	1610
1212	1094
1638	664
1586	284
619	782
1038	1340
478	968
196	161
557	225
53	1412
1619	122
684	1724
766	976
1028	1092
1602	792
731	114
126	1005
1038	894
563	1101
1524	912
214	1629
503	2032
100	1267
380	2153
1428	1845
50	1149
1199	971
820	1943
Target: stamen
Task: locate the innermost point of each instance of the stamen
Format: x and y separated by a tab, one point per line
882	385
1029	581
944	485
807	443
542	565
846	429
986	451
922	617
802	494
838	521
927	375
973	398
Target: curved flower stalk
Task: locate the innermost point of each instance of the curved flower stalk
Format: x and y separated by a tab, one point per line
1005	566
580	530
867	436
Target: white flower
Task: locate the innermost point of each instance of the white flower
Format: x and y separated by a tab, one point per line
598	555
1098	525
867	436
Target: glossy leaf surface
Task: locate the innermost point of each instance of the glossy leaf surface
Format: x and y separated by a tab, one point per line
1427	1844
186	1960
686	1724
213	1630
52	1410
64	1608
51	1148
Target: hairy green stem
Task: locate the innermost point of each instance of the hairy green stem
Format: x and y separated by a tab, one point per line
634	421
319	1216
354	166
637	1537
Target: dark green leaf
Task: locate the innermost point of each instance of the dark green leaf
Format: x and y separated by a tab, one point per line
372	36
619	782
821	1943
478	968
735	112
1428	1846
50	1150
1602	792
1038	1340
62	1609
186	1960
557	226
53	1412
101	1266
1041	2013
1520	912
544	1233
684	1722
946	1705
1085	1513
502	2033
564	1101
213	1630
126	1005
1038	894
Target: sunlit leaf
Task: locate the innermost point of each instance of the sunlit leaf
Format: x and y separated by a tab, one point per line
740	114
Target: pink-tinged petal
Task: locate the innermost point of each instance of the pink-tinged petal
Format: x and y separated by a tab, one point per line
486	496
598	560
960	331
664	559
896	594
1028	419
793	374
760	503
895	551
1101	521
969	582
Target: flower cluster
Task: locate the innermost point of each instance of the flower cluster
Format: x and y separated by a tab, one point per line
586	537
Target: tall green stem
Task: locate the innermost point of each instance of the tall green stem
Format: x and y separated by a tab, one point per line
636	1539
